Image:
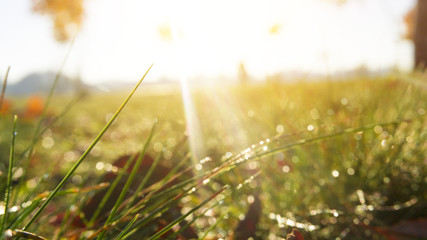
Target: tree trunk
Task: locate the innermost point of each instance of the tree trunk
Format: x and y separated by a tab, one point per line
420	38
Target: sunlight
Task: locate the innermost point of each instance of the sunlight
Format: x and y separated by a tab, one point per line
193	127
269	37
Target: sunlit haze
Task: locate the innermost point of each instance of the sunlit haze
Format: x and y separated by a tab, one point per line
120	39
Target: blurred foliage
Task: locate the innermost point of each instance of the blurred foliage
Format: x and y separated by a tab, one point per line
66	16
354	185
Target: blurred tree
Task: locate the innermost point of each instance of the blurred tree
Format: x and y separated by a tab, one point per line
416	23
66	15
416	31
409	20
420	34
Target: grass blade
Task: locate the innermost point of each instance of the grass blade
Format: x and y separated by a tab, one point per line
27	211
26	155
110	191
175	234
16	234
146	177
9	175
84	155
3	89
47	103
129	181
178	220
213	226
122	233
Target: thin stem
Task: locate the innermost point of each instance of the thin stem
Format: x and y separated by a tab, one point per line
178	220
110	191
122	233
4	87
129	181
9	175
84	155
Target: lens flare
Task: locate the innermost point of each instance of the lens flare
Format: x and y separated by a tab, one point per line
192	122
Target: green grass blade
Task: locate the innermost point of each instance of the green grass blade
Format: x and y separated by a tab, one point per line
16	234
322	137
68	213
126	229
171	202
213	226
110	191
175	234
21	217
178	220
84	155
9	175
36	137
3	89
146	177
130	180
155	199
156	187
47	102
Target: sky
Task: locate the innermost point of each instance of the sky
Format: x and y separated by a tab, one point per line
119	40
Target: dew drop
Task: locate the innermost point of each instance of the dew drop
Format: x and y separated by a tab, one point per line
285	169
335	173
48	142
14	209
251	199
378	129
350	171
99	166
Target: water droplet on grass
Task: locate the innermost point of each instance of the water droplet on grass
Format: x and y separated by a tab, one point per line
344	101
335	173
285	169
99	166
280	128
378	129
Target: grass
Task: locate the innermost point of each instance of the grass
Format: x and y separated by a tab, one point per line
337	160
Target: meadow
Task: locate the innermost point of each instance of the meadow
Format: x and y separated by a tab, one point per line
333	159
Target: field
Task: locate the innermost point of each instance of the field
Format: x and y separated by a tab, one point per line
333	159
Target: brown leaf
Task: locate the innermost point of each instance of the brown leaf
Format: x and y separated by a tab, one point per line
294	235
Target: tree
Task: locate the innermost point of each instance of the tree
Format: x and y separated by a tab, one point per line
420	35
67	15
416	31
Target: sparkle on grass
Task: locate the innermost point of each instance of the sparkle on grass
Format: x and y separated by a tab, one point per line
335	173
